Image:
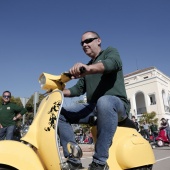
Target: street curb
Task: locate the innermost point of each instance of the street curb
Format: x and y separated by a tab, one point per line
87	147
84	147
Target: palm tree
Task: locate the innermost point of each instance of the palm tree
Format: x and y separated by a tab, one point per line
148	118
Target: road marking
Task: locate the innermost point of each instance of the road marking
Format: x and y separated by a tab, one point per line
162	159
156	160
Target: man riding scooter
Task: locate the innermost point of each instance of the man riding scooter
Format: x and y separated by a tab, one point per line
103	84
164	133
165	125
126	150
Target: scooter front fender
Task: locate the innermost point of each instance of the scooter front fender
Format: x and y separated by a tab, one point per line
18	155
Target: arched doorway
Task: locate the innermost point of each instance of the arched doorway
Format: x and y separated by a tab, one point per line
140	104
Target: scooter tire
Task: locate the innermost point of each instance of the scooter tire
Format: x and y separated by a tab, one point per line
160	143
6	167
147	167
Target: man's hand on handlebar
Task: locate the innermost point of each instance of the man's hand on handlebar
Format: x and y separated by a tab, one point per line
78	70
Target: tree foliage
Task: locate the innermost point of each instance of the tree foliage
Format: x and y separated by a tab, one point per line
30	104
148	118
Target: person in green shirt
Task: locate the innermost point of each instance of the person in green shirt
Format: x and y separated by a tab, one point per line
9	113
103	84
154	131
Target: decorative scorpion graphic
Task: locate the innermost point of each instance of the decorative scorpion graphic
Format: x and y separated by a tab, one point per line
52	119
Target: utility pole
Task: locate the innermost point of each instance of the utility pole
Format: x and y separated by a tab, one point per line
24	102
36	100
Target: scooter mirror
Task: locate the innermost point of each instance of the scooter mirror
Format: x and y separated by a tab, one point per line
74	149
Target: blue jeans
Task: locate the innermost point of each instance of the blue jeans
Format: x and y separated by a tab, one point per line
109	111
7	132
168	132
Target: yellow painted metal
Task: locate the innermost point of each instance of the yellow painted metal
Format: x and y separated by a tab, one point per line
128	150
41	134
42	131
19	155
52	82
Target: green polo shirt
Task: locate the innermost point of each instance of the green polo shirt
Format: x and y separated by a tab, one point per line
8	112
111	82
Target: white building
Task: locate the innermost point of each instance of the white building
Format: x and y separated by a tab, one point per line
148	90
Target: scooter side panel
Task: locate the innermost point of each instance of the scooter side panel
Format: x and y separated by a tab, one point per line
131	149
19	155
128	149
162	135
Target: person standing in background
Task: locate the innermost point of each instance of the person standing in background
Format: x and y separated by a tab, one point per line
9	113
135	122
146	129
154	131
90	138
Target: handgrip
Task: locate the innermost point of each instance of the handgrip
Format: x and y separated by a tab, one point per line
82	70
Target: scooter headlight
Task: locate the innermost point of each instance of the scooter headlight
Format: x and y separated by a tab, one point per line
42	80
50	82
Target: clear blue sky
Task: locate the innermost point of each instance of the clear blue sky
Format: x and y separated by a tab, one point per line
44	36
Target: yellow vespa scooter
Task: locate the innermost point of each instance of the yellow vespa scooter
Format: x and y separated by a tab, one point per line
39	148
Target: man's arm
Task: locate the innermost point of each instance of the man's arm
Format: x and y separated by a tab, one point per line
89	69
17	116
66	93
95	68
19	111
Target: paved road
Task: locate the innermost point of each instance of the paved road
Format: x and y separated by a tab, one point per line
162	156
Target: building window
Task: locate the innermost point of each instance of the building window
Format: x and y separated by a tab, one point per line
165	101
169	99
152	99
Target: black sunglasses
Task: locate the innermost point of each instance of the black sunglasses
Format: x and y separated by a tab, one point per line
7	97
87	41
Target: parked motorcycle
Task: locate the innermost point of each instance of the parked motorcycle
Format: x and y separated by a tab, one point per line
162	138
39	147
21	130
17	133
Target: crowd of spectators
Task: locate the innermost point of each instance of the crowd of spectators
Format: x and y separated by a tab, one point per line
150	130
84	137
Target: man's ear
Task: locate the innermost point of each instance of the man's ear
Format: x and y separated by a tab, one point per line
99	41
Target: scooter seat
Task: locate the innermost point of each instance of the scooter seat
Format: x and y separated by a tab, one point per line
125	123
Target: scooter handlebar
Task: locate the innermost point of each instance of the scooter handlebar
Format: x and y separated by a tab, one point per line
51	82
82	70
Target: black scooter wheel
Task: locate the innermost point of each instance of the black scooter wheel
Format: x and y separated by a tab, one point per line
6	167
147	167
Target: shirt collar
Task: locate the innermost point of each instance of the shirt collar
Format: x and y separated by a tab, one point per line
93	60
